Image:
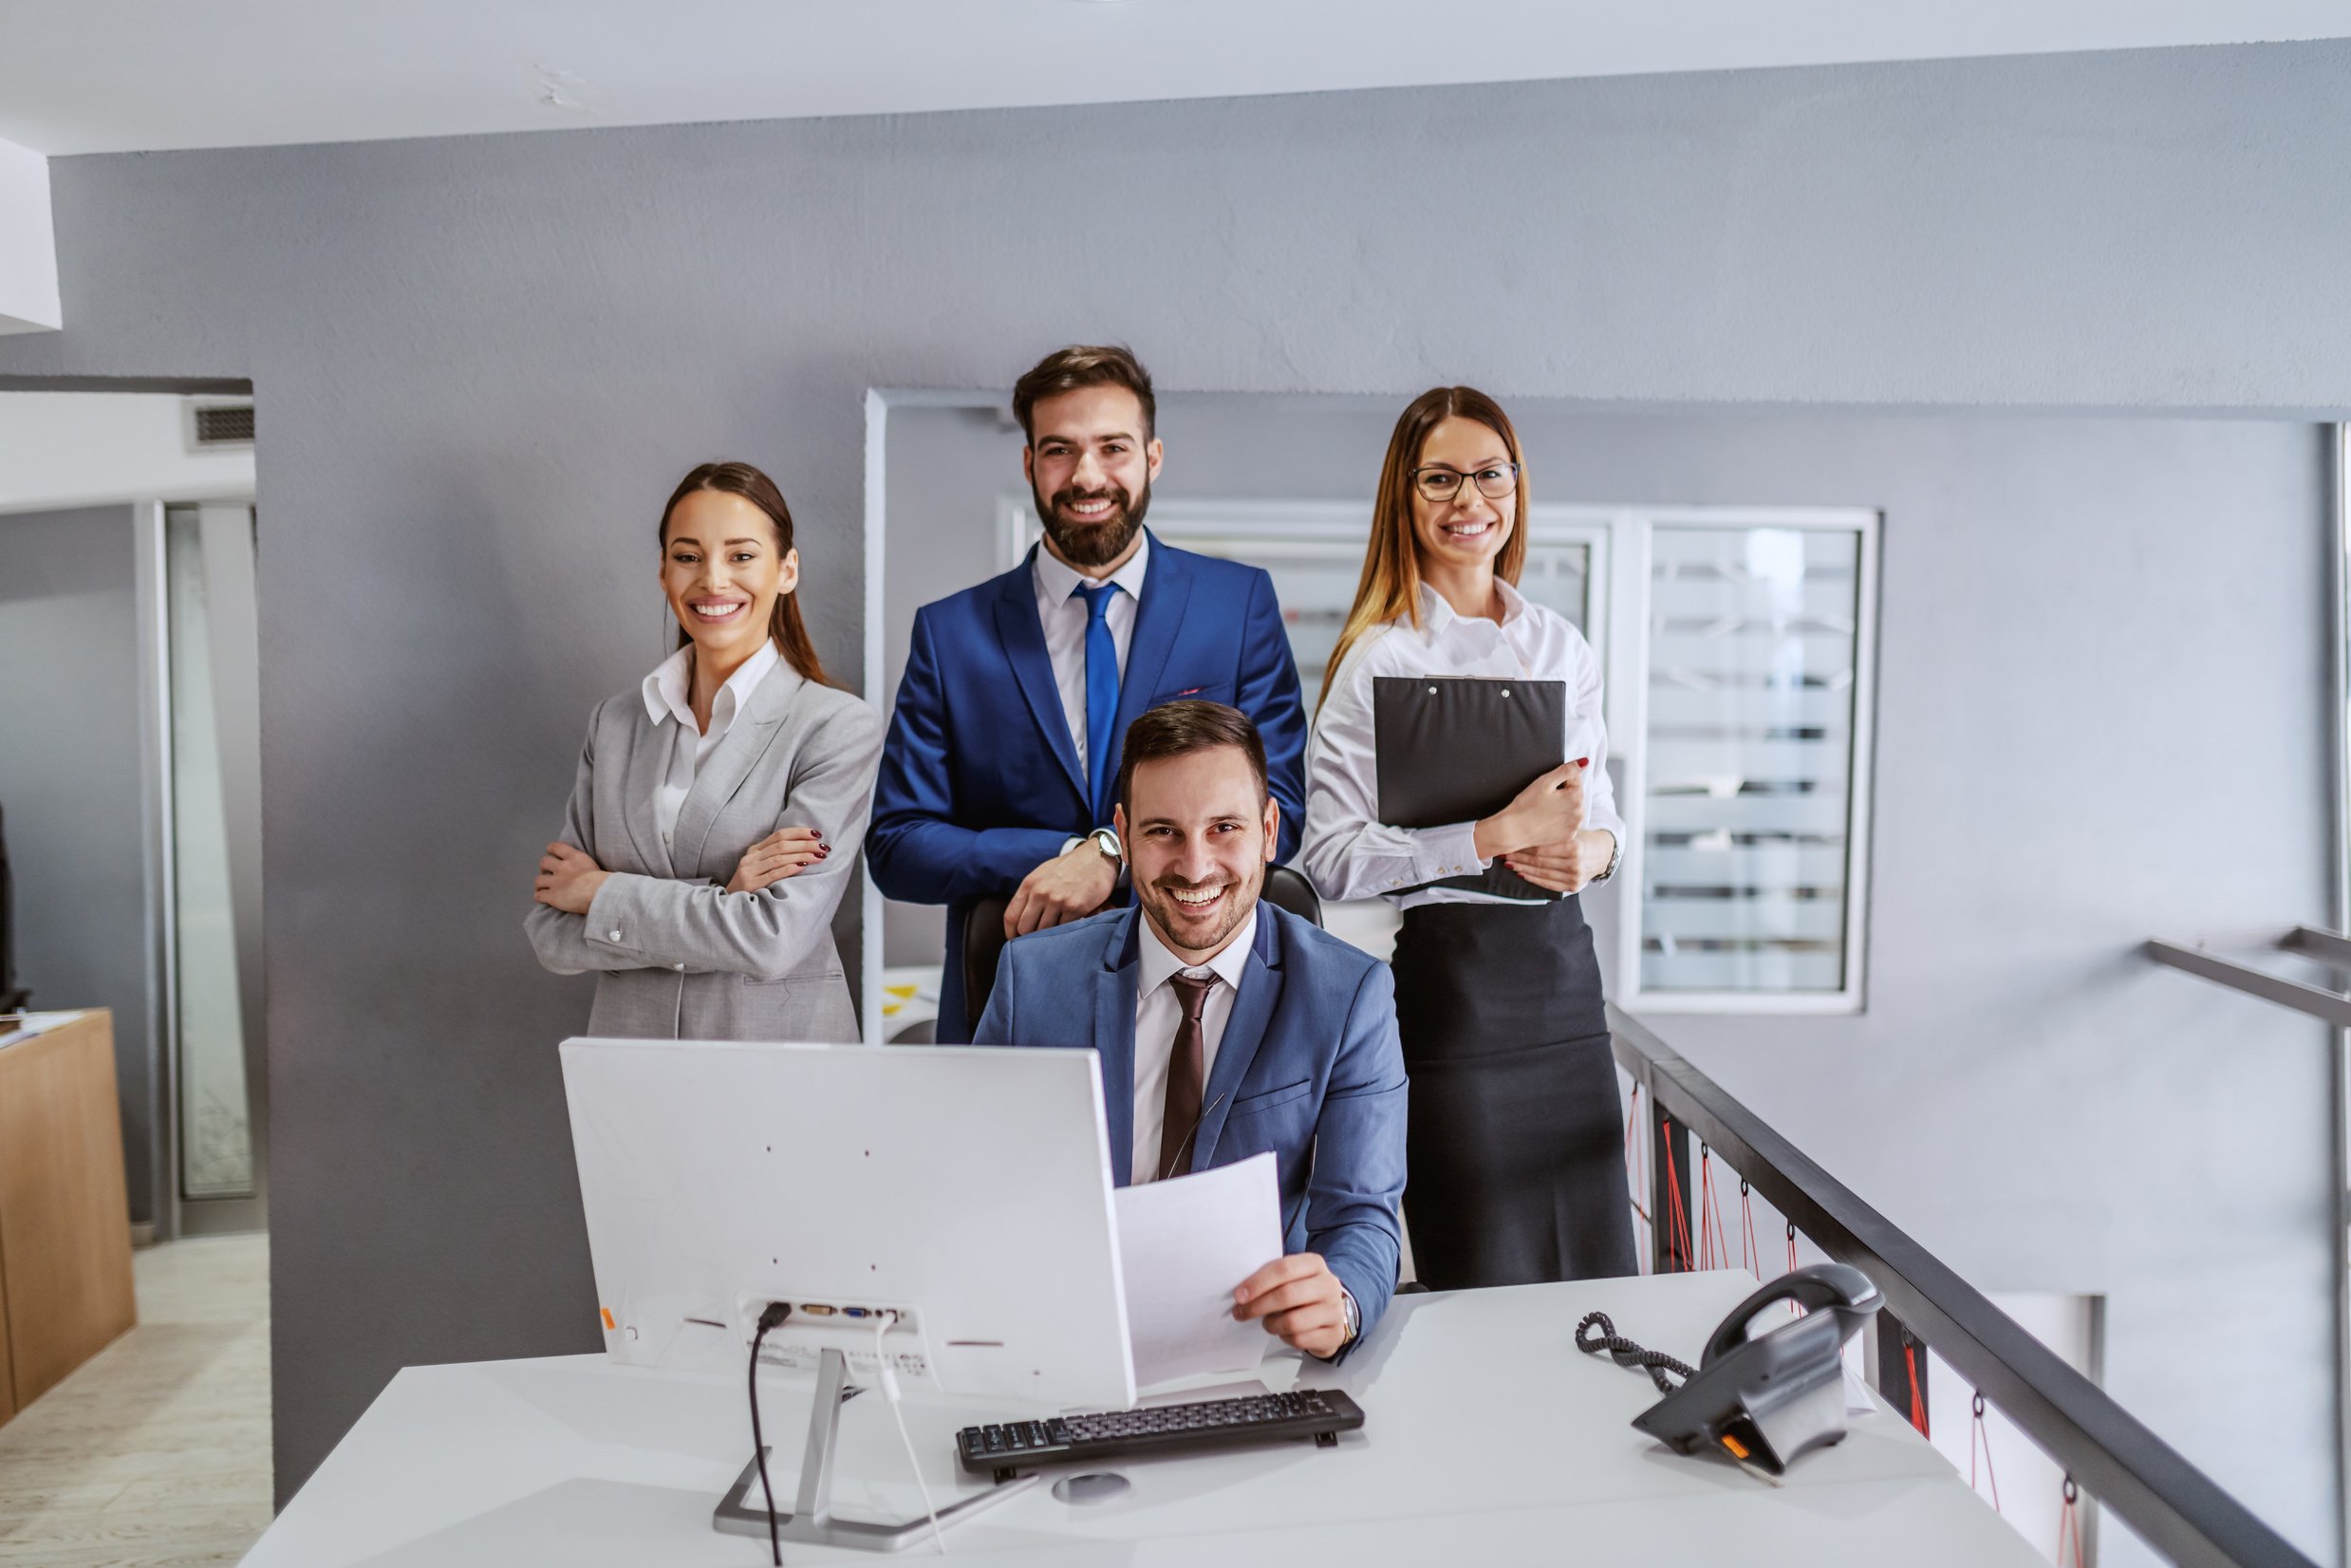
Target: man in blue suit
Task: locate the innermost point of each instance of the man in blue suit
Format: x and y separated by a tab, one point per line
996	777
1228	1027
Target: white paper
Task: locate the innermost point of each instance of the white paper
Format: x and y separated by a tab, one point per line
1857	1400
40	1023
1183	1244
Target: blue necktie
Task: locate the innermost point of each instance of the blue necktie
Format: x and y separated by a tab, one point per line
1101	689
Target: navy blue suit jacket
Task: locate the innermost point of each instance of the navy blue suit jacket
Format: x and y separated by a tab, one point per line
980	782
1309	1070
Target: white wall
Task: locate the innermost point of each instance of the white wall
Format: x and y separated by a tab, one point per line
72	449
29	300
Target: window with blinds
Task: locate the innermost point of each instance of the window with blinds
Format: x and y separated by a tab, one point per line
1754	720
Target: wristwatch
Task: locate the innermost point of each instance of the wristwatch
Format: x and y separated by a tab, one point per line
1351	1315
1105	840
1616	856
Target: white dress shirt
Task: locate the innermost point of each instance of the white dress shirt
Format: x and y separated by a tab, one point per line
1345	850
1064	615
668	695
1157	1012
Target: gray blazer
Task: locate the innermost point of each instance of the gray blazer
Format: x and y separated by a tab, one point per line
677	956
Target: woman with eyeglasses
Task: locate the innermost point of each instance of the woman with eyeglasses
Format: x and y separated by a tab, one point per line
1515	1142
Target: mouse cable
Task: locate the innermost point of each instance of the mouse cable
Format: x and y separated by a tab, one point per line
1626	1353
773	1317
889	1390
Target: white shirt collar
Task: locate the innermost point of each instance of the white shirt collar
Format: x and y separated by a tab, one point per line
1438	615
1056	579
1158	961
668	690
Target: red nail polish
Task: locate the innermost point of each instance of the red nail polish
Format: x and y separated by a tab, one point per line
1583	762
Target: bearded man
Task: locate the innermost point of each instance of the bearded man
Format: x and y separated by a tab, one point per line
997	780
1226	1027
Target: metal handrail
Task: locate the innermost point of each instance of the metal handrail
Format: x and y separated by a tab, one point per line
2206	962
2175	1507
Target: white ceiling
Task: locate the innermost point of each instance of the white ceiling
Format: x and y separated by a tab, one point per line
94	76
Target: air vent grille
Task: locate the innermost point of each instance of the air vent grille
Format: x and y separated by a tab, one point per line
229	425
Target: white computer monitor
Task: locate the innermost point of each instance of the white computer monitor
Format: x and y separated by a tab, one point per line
968	1189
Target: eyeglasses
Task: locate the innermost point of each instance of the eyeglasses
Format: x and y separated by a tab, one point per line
1443	484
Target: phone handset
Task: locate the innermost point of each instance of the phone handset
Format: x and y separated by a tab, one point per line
1835	1287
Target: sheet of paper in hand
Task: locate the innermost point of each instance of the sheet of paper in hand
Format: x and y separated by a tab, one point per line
1182	1246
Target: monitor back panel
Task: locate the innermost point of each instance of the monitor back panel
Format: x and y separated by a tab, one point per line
966	1188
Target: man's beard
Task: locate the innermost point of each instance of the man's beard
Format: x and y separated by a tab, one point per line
1096	544
1241	897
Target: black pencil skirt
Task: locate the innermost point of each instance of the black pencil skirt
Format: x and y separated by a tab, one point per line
1515	1148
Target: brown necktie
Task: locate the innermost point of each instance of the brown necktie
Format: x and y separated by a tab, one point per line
1187	1074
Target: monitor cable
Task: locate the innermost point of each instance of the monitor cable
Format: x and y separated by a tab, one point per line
889	1390
1626	1353
773	1317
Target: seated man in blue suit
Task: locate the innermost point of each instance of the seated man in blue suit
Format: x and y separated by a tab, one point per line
1228	1027
996	777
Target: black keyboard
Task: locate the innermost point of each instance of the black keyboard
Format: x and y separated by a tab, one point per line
1113	1435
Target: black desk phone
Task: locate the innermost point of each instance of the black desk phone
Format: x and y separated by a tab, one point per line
1763	1400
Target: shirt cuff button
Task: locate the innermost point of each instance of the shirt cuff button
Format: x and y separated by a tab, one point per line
681	968
616	934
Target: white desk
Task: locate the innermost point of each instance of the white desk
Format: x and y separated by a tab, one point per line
1489	1439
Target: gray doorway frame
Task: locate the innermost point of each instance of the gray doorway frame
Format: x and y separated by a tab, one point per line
173	1215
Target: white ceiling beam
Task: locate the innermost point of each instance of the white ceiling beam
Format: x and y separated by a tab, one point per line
28	301
105	76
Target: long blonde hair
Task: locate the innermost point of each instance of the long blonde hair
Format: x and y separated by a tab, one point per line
1391	585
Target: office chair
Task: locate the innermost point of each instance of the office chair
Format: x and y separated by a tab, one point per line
12	997
984	932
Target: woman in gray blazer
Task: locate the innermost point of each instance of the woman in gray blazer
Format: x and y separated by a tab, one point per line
720	805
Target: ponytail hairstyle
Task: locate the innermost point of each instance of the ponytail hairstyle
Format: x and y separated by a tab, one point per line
784	624
1391	585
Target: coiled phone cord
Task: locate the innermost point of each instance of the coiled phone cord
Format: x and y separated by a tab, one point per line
1626	1353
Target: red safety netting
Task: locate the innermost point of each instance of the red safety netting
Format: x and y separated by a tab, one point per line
1978	1433
1918	1398
1636	1180
1678	1236
1713	1246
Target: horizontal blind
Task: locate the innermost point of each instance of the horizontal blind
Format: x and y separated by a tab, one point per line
1753	642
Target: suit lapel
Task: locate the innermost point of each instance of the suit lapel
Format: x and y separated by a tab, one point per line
1113	1038
641	777
1253	1009
1023	636
730	762
1159	615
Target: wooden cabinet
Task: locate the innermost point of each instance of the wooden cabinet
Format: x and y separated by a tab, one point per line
65	1218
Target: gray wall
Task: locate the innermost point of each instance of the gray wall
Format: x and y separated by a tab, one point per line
480	364
70	767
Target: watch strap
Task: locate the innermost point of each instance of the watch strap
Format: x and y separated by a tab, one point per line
1616	857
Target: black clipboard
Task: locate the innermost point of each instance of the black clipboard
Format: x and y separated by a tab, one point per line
1458	748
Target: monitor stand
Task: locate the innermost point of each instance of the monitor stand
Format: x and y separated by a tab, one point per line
743	1510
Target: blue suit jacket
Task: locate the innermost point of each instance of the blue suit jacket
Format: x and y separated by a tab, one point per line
1309	1068
980	782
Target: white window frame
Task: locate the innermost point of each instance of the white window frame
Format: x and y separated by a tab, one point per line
1617	539
1631	694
